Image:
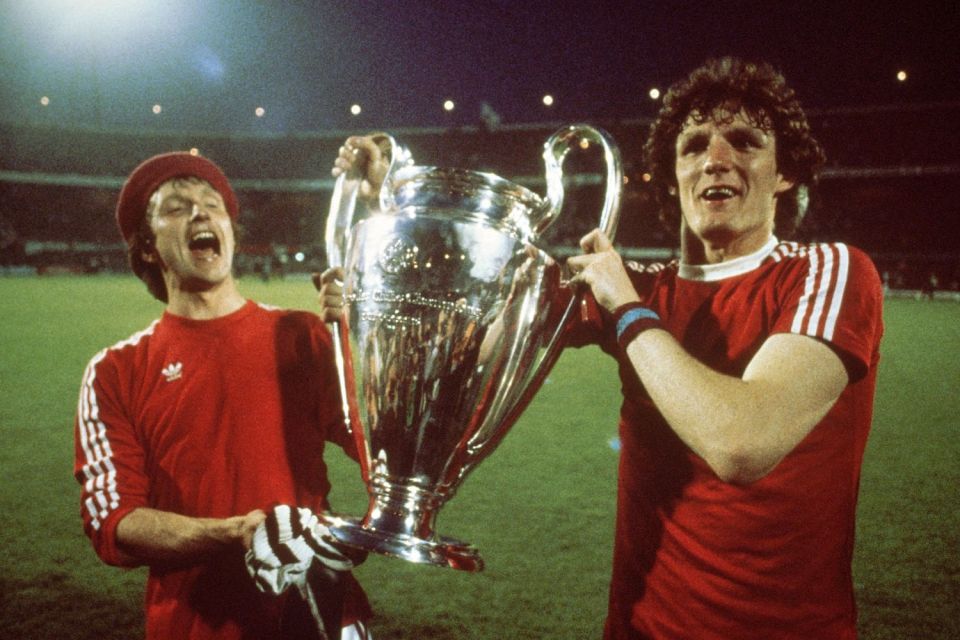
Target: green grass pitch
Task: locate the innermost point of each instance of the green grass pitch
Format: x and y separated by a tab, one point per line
540	509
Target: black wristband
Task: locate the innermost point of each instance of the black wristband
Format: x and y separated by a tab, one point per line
632	319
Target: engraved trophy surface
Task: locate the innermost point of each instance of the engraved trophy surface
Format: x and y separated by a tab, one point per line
452	321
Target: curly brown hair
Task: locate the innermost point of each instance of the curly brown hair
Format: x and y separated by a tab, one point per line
721	87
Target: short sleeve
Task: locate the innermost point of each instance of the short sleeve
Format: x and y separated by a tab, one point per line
833	293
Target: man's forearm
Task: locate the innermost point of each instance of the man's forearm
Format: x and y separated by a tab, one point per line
150	535
741	427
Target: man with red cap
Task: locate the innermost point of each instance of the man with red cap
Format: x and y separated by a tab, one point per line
191	432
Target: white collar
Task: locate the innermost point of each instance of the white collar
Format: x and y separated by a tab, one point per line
730	268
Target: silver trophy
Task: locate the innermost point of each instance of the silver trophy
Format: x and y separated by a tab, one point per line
452	321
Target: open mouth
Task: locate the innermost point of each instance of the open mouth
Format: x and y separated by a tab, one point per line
719	193
204	245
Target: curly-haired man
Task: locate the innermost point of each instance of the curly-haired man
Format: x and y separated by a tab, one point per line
748	372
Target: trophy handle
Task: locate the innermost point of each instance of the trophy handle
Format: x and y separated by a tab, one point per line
343	202
343	205
555	150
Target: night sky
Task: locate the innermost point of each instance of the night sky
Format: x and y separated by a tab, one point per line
209	64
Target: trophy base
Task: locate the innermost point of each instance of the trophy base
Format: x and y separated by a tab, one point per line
441	551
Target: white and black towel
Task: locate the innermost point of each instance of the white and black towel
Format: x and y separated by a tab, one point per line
292	548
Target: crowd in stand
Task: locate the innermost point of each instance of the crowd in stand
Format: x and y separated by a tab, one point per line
889	194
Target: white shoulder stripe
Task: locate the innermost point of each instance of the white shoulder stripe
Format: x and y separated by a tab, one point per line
843	268
822	287
99	473
805	297
823	290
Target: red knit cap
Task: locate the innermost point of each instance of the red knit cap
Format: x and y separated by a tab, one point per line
147	178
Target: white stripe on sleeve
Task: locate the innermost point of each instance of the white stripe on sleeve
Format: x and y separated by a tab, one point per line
99	472
822	288
843	267
808	291
823	291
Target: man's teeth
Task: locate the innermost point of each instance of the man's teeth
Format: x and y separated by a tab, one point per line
204	240
718	193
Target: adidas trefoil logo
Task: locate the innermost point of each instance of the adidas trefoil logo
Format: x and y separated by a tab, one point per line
173	371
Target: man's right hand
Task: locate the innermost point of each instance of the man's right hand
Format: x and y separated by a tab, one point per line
247	524
366	158
329	284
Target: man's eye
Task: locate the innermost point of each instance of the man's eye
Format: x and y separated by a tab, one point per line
692	146
744	141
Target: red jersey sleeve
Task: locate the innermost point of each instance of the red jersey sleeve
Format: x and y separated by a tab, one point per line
109	458
836	296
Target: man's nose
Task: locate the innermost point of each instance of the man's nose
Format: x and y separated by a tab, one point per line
718	156
197	211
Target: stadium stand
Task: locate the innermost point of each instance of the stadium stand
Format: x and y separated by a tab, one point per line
888	187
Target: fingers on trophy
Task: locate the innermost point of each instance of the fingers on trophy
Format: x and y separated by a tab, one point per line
329	285
364	158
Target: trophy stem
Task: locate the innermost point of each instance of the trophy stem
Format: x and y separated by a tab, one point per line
400	523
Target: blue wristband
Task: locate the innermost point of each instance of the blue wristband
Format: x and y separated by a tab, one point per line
632	315
632	319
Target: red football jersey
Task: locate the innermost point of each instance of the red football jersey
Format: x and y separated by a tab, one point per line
696	557
209	418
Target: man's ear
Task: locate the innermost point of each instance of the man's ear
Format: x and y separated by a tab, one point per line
783	185
147	253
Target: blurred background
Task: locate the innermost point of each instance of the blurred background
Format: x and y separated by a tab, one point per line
270	89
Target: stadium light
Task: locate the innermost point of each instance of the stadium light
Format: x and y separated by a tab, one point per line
355	109
654	94
448	105
548	100
89	40
157	109
45	101
902	75
259	112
